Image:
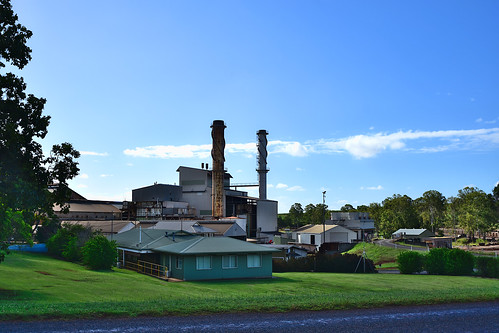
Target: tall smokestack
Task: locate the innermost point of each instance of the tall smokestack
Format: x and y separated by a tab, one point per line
217	173
262	163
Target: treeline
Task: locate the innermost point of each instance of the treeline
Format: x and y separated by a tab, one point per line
472	209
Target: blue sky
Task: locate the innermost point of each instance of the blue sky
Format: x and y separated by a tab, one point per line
362	99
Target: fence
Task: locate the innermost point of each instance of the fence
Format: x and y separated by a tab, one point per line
147	268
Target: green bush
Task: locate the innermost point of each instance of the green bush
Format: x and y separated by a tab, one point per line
68	240
435	261
488	266
99	253
410	262
459	262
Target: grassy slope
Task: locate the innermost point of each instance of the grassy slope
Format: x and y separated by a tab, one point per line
36	286
378	254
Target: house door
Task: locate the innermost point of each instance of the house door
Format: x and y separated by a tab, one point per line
312	239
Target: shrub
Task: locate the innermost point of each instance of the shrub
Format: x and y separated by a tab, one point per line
99	253
488	266
459	262
435	261
410	262
68	240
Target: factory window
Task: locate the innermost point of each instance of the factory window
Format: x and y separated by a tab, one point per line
203	262
178	263
254	260
229	261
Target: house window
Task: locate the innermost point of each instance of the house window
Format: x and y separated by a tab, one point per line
229	261
203	262
254	260
178	263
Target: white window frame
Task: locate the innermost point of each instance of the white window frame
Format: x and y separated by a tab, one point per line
202	267
178	262
259	256
231	263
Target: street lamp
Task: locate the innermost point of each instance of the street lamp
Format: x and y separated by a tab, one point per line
323	217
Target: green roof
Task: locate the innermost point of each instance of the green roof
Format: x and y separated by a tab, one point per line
149	238
213	245
184	243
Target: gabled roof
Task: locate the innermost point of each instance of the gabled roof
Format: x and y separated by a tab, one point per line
318	229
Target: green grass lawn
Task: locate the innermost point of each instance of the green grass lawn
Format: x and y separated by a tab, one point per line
34	286
377	253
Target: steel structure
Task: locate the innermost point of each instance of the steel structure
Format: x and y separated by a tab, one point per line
217	175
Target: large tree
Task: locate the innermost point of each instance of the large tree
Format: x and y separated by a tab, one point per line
477	211
25	172
431	209
296	214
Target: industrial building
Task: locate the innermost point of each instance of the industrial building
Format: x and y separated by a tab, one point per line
207	194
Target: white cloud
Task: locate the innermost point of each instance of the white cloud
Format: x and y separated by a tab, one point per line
295	188
105	176
129	164
280	185
81	186
299	169
372	188
479	120
359	146
288	147
83	176
92	153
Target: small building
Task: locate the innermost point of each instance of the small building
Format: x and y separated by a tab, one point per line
434	242
360	222
181	255
313	234
287	251
106	228
413	235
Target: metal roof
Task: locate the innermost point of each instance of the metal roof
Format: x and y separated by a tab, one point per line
184	243
318	228
410	232
213	245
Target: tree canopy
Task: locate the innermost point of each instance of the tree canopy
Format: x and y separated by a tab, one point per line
25	173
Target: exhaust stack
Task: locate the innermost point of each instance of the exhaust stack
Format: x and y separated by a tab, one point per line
262	163
217	173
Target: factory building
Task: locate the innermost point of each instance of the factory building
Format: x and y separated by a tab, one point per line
207	194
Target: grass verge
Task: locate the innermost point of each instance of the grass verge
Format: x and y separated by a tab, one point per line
377	253
36	286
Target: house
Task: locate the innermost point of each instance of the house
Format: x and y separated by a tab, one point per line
360	222
313	234
205	228
287	251
184	256
413	235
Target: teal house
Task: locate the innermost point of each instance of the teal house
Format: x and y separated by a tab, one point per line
174	254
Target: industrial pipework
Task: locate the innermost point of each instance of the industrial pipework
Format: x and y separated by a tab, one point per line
262	163
218	171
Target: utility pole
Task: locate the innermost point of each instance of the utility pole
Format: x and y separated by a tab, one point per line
323	217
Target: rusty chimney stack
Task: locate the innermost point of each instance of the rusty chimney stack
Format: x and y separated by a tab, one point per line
262	163
217	173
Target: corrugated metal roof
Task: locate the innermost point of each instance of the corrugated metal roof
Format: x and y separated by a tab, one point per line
213	245
89	208
185	243
410	232
318	228
106	226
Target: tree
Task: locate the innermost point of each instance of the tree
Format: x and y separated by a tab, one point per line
477	211
296	214
315	214
431	208
347	208
25	172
